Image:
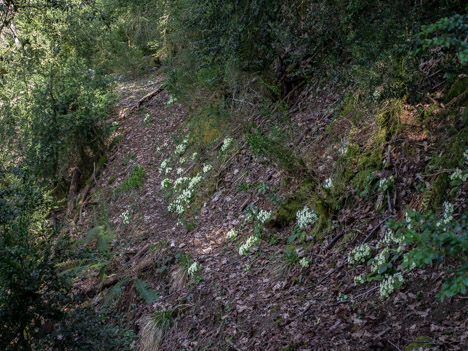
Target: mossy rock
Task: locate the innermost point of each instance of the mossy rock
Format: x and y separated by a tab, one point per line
323	212
420	343
458	87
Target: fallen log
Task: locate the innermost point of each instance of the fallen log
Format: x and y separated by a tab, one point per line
145	99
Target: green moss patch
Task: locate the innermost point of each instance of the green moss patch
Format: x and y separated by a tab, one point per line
420	343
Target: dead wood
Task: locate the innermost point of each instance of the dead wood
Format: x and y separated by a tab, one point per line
148	97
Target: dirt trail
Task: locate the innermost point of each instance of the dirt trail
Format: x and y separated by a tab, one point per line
242	303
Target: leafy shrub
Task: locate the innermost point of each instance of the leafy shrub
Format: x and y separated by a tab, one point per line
37	310
448	32
435	240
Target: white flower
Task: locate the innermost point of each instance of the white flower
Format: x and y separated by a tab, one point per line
305	262
390	239
359	254
125	217
207	168
459	174
180	149
386	183
179	171
226	143
158	149
180	181
448	212
245	248
163	166
305	217
380	259
195	181
408	221
328	183
168	170
194	268
232	234
392	283
194	155
165	183
263	216
360	279
172	100
182	160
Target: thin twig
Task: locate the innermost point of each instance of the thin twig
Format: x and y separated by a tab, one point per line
329	274
395	346
375	228
366	292
334	240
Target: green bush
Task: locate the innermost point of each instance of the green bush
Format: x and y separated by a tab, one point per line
37	310
437	240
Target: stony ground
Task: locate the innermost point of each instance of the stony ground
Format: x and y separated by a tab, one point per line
252	302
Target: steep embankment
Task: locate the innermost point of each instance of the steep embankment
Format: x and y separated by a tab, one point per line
189	282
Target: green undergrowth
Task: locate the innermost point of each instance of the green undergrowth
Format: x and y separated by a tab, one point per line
134	180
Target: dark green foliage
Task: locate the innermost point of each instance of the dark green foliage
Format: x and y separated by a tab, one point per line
450	32
149	295
437	240
36	309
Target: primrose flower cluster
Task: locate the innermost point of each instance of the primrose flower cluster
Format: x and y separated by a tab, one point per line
231	235
244	249
125	217
448	214
180	149
166	183
207	168
305	217
390	239
263	216
183	187
184	191
460	175
380	259
386	183
391	284
360	279
359	254
226	143
305	262
194	268
163	167
381	264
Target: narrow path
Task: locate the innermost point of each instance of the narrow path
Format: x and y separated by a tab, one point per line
242	303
